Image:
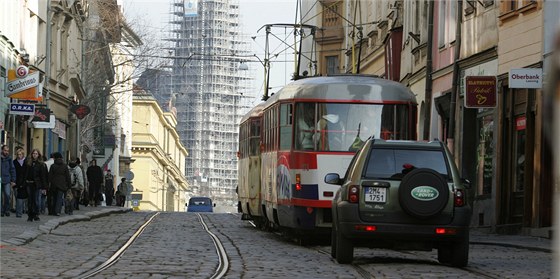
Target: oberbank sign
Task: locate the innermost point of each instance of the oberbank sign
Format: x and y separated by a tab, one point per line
525	78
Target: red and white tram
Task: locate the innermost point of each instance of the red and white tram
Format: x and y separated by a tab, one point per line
312	127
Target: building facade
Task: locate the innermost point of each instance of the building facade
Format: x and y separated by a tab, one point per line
159	157
46	37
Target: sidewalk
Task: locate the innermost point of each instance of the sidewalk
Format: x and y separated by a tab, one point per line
517	241
17	231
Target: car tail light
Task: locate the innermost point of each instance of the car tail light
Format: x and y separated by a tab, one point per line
353	194
445	231
365	228
459	198
298	182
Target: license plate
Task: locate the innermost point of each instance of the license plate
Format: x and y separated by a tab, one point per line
375	194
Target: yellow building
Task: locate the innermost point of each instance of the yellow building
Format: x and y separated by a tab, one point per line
158	155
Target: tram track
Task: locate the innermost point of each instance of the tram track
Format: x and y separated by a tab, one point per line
115	257
364	273
223	261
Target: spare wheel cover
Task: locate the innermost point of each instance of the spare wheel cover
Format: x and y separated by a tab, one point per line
423	193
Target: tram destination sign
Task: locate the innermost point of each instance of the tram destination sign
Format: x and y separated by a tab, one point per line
480	91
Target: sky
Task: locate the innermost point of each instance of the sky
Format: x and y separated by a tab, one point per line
153	16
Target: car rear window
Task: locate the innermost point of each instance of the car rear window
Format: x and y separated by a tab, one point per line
395	163
200	201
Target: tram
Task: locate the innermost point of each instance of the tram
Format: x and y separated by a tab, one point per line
311	127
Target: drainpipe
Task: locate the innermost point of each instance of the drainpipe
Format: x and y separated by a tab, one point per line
454	87
428	92
46	150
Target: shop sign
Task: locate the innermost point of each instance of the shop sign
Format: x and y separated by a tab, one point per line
80	111
59	129
480	91
520	123
525	78
43	119
23	84
22	109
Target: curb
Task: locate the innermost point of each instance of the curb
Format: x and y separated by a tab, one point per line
31	234
519	246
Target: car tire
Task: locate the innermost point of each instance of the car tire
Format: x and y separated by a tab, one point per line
344	249
455	254
333	242
423	208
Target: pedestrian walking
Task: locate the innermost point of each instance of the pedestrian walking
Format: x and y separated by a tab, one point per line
95	179
123	190
21	192
36	183
8	180
59	179
109	188
50	195
77	182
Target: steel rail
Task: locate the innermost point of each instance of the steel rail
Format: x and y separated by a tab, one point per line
223	261
115	257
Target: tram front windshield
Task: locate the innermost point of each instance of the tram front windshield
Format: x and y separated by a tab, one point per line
344	126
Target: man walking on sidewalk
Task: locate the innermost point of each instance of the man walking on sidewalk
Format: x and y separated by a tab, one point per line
8	180
95	179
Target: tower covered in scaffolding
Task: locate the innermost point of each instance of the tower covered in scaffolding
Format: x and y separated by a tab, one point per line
209	92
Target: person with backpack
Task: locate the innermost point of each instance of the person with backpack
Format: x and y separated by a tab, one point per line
76	183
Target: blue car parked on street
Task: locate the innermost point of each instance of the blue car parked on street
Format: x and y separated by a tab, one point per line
200	204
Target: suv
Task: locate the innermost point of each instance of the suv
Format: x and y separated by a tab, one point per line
402	195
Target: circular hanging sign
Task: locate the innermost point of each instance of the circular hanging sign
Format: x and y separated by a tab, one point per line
22	71
80	110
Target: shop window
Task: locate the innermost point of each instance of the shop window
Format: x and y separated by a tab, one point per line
519	147
485	150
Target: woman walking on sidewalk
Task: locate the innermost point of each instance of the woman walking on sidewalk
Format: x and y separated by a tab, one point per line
35	183
21	192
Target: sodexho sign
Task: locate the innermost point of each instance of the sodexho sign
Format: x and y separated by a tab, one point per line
525	78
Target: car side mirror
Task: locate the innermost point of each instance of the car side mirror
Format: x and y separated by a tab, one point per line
214	205
466	183
333	178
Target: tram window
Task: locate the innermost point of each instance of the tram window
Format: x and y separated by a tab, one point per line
305	126
285	126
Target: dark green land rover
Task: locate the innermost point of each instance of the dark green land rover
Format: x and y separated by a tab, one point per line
402	195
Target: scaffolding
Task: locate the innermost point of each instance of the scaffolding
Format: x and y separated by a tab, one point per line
210	92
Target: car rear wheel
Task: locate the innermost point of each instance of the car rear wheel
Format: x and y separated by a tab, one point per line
344	249
423	193
333	242
456	253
